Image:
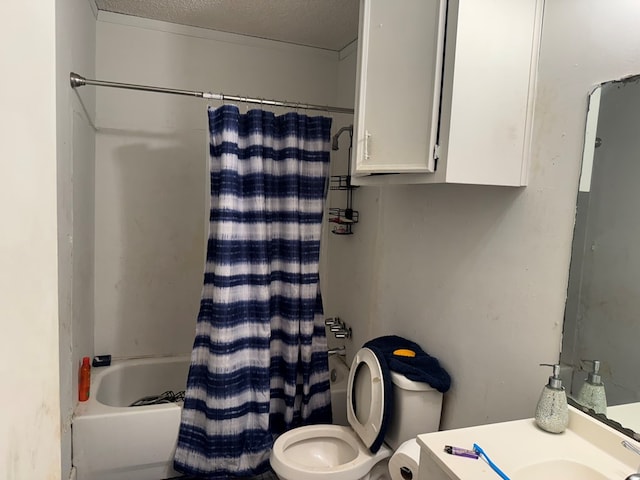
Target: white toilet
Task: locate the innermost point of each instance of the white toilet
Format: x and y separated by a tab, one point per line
333	452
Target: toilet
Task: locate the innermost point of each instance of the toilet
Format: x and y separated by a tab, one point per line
333	452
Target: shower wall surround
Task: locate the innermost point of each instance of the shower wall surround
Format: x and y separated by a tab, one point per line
151	171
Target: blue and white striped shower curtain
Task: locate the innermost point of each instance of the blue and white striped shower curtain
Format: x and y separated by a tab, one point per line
259	361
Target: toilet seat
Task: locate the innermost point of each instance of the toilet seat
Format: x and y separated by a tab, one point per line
334	452
366	424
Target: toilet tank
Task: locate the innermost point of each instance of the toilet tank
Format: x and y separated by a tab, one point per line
416	409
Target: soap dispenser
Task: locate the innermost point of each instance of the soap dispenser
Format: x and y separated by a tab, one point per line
552	412
592	393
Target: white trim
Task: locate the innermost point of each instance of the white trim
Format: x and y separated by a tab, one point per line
189	31
589	147
94	8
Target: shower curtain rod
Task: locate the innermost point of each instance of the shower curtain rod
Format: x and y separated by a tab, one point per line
79	81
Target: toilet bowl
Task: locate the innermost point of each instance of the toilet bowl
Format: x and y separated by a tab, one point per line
333	452
323	452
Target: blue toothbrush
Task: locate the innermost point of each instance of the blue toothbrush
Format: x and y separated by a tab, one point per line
480	451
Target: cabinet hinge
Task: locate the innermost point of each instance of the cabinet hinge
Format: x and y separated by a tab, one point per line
436	151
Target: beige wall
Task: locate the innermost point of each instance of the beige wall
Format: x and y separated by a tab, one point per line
30	404
478	275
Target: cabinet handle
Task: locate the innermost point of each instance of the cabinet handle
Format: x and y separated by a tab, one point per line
367	144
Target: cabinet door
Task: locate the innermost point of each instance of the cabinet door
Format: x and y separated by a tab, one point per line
488	96
400	54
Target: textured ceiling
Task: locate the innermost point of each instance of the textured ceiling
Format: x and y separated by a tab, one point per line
329	24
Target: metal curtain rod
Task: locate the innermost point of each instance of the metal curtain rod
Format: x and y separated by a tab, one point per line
79	81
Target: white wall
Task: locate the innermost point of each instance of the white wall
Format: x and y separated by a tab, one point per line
29	368
478	275
151	155
75	51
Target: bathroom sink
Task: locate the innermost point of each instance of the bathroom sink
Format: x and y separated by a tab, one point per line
565	469
586	450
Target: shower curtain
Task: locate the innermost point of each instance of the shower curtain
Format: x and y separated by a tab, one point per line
259	360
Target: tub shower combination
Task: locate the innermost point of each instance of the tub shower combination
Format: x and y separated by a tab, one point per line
115	441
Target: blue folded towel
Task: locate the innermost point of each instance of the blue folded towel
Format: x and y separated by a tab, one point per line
420	368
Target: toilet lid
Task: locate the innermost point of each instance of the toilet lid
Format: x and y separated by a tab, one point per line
365	396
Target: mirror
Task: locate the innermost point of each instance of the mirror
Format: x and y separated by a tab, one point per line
602	315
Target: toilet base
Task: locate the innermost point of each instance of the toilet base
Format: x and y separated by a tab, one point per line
379	472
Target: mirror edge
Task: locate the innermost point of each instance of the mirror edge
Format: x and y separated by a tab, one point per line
584	185
604	419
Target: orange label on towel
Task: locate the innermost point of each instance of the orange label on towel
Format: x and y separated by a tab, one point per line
404	352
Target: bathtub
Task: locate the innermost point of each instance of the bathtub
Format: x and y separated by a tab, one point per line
338	374
112	441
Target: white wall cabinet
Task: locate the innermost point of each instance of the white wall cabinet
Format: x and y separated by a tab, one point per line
445	91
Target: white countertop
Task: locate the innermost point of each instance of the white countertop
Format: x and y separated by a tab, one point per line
628	415
518	444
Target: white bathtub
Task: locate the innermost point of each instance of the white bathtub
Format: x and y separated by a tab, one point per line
112	441
339	373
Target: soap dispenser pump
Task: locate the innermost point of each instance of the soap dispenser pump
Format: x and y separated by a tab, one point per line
552	411
592	394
